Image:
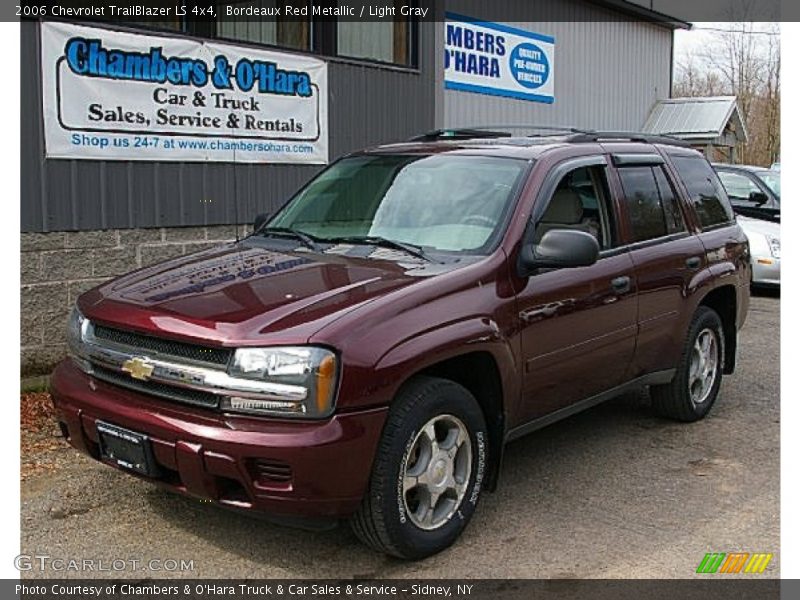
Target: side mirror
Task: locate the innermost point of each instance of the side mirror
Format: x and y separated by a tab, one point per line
560	248
758	198
259	221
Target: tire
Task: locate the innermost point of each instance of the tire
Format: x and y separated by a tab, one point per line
678	399
395	520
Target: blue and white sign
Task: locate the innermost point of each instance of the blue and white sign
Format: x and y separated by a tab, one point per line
495	59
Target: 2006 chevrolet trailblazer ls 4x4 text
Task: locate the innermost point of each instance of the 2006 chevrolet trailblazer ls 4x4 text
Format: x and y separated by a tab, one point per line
369	350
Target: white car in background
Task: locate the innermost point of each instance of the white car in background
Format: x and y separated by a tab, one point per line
765	250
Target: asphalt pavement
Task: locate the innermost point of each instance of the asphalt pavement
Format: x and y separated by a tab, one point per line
613	492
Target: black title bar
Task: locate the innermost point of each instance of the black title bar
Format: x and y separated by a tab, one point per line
673	13
710	587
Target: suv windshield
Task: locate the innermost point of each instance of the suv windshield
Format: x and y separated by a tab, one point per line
441	202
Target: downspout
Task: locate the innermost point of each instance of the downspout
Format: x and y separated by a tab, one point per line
671	62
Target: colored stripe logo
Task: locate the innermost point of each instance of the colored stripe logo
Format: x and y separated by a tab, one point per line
734	562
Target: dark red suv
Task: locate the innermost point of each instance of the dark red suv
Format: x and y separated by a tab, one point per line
369	350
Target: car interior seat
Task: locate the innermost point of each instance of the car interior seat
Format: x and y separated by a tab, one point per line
565	211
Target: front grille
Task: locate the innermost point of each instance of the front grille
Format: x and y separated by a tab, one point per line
177	394
203	354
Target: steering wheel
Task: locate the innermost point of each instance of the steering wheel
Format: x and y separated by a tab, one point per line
478	220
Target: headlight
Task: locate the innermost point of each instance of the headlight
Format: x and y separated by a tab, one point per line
774	246
307	367
76	334
77	325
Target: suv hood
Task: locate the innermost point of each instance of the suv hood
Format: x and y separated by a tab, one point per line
238	293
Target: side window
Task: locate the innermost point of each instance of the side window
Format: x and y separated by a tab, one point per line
669	202
643	202
581	202
706	192
739	187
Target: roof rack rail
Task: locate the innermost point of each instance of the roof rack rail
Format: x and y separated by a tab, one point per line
458	134
493	131
573	134
628	136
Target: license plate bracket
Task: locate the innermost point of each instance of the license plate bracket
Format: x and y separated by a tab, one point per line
127	449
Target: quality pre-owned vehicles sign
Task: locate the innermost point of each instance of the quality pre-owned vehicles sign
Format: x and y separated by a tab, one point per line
115	95
495	59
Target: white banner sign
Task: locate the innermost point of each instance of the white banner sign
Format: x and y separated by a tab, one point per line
495	59
112	95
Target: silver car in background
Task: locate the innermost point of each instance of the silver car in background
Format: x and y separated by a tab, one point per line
765	250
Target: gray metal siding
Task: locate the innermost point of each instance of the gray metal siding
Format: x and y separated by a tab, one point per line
368	104
608	73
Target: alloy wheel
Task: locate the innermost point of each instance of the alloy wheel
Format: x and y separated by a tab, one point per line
436	472
703	366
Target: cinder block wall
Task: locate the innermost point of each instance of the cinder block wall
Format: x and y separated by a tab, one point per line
59	266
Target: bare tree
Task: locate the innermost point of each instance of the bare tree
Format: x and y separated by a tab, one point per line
693	78
771	116
742	60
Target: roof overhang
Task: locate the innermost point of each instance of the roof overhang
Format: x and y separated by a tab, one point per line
643	13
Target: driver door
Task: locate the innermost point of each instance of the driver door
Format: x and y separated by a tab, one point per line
578	325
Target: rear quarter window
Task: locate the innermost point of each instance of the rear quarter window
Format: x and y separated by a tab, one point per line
706	193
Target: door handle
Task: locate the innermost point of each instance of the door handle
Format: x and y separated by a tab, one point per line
693	262
622	284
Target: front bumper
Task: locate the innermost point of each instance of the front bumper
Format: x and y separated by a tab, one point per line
766	270
292	469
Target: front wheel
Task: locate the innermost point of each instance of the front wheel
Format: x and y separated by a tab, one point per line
691	394
428	471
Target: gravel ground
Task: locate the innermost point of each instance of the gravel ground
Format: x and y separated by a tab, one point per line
612	492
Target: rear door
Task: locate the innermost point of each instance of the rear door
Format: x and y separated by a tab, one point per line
725	244
665	254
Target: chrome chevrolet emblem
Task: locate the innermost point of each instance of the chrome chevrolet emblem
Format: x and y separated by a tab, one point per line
139	368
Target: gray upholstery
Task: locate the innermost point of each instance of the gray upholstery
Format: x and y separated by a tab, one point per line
565	211
565	208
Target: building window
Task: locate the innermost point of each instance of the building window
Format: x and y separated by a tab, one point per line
172	24
392	41
384	41
286	33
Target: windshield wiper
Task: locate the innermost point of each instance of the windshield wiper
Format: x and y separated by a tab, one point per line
376	240
307	240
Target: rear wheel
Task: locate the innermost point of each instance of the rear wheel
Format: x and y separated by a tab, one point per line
428	471
691	394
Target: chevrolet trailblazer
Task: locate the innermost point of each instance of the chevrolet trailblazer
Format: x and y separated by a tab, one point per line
367	352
